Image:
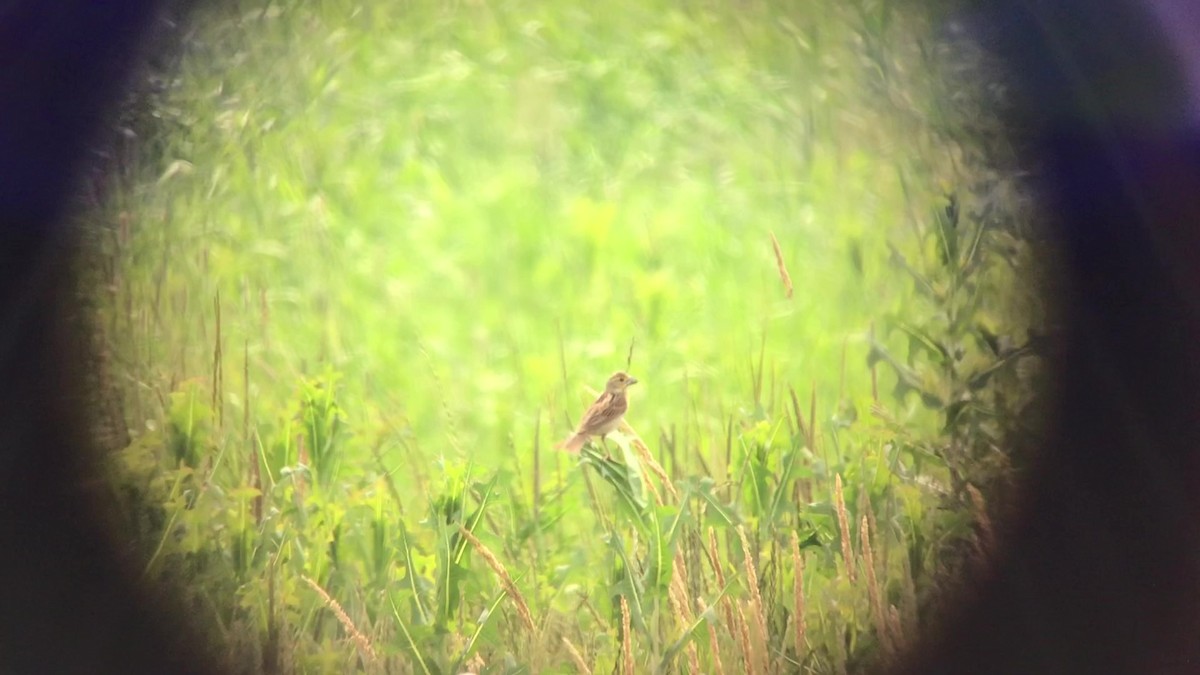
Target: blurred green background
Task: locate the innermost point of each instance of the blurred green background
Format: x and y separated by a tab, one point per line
452	204
398	246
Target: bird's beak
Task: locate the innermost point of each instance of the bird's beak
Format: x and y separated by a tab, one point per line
632	380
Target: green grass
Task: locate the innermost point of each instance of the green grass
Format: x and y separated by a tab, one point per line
380	252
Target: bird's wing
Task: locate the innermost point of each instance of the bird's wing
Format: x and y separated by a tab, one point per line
606	408
591	412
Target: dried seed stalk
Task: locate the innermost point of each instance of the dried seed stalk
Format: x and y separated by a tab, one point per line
844	525
783	273
360	640
576	657
798	622
987	537
881	627
510	588
756	601
626	637
678	596
715	561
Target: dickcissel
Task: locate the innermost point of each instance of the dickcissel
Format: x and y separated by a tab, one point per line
604	415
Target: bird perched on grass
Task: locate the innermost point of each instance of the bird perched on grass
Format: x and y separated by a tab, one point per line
604	415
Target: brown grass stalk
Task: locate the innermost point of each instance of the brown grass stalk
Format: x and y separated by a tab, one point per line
360	640
677	594
743	635
735	619
715	647
715	560
783	273
655	467
798	622
626	637
987	536
756	601
839	503
653	490
880	549
506	581
896	627
803	428
576	657
877	611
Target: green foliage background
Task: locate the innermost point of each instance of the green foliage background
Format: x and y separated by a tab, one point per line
369	258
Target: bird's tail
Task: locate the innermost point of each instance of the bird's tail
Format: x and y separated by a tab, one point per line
574	443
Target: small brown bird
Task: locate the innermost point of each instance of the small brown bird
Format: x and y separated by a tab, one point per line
604	415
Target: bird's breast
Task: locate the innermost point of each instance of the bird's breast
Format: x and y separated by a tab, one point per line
608	425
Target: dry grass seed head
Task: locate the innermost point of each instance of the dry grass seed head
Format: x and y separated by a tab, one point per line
756	601
743	636
506	581
626	637
896	628
881	627
655	468
843	525
783	273
576	657
798	623
360	640
987	537
715	647
678	589
715	560
678	596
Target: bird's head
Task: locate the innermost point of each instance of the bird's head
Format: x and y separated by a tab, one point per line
619	381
